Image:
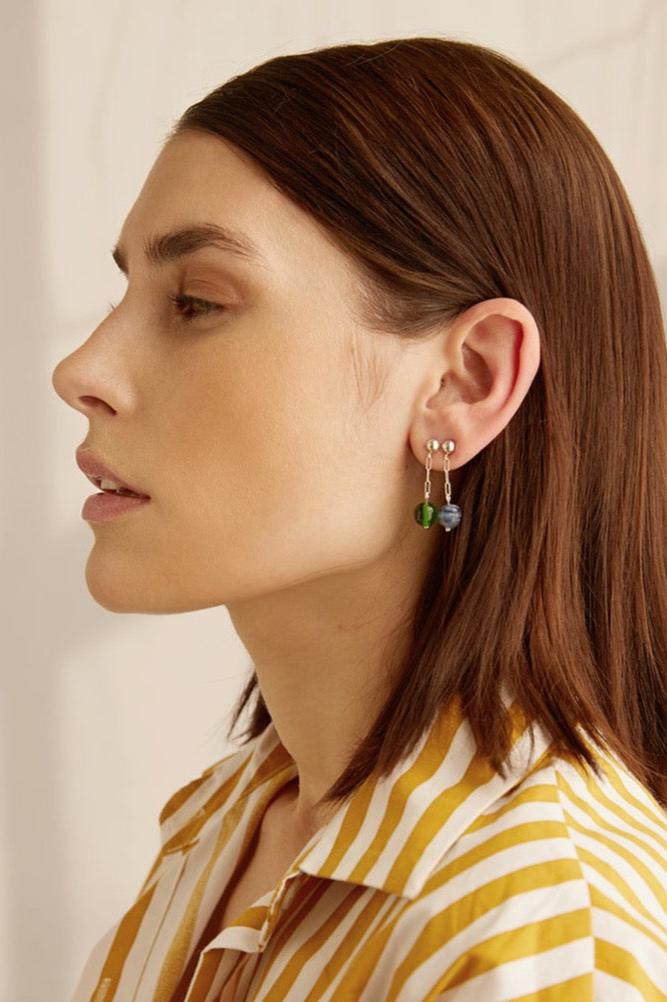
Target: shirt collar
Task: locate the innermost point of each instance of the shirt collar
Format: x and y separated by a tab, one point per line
393	830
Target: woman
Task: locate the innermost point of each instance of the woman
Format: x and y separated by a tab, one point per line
350	272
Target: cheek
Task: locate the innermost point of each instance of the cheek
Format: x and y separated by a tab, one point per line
266	470
244	417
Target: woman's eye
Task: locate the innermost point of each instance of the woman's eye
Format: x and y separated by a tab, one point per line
187	307
190	307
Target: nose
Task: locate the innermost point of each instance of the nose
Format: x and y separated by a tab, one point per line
95	377
68	379
58	380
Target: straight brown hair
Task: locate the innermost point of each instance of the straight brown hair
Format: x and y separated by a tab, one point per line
451	175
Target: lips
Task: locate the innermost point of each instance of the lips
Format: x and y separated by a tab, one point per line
95	469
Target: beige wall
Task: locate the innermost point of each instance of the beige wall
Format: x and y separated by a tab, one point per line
103	716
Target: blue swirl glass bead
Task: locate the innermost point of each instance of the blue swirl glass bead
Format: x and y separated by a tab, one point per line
425	514
449	516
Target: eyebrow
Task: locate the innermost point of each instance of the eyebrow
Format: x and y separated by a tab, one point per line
179	243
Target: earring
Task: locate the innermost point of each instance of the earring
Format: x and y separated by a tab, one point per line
425	513
450	514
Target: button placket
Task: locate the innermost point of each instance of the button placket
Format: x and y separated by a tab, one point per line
280	899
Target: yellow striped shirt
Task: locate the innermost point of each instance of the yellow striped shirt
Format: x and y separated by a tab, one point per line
441	882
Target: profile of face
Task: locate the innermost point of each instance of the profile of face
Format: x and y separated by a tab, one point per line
243	412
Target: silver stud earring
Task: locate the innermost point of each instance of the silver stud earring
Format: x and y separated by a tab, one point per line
425	513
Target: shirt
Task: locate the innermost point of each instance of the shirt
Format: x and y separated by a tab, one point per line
440	882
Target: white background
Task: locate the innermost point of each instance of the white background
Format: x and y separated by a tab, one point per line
104	715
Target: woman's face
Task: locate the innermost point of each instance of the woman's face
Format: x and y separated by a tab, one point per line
255	427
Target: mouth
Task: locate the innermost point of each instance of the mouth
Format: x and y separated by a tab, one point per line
124	491
103	477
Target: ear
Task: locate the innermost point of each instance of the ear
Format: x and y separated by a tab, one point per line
481	369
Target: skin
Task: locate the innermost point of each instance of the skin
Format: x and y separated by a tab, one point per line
281	486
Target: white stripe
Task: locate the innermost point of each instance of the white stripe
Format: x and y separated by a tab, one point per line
522	814
235	936
489	793
228	960
454	764
655	824
647	953
331	901
595	879
611	818
150	927
612	989
529	974
543	777
452	768
199	796
513	913
609	855
190	866
501	863
383	914
634	789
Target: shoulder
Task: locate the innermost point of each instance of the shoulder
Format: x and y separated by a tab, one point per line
212	789
558	890
186	811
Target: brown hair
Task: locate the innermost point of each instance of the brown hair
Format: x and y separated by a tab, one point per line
451	175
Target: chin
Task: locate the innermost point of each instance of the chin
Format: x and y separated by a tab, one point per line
117	589
122	589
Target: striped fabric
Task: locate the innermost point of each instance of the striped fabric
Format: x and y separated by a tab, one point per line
441	882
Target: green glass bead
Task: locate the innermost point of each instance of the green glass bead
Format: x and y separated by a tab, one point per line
425	514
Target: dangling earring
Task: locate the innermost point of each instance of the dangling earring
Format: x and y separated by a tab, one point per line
425	513
450	514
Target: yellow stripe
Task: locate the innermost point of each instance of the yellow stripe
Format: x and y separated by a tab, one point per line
153	870
460	914
600	900
527	941
352	821
178	798
120	947
654	813
529	831
540	793
613	877
579	989
206	976
311	889
607	826
175	956
314	943
478	773
422	769
621	964
597	791
191	829
641	869
365	961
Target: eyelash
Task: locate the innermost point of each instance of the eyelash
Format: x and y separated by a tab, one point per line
180	300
